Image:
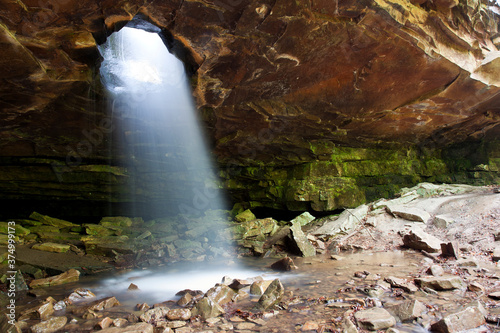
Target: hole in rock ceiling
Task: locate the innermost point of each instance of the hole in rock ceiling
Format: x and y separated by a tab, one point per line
160	138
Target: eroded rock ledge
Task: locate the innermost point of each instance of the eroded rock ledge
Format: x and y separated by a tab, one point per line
340	101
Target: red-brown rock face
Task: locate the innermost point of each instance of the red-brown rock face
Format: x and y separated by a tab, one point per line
274	80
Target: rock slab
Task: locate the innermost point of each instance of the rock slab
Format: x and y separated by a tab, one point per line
419	240
467	319
374	319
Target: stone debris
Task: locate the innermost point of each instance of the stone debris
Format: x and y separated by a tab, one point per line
374	319
467	319
419	240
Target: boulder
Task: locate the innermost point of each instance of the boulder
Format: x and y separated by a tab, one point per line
259	287
284	264
467	319
69	276
51	325
374	319
256	227
419	240
441	282
221	294
51	247
271	296
300	240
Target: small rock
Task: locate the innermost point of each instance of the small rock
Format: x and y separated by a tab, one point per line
184	330
245	326
467	319
80	294
272	295
309	325
69	276
207	308
475	286
104	323
61	305
494	295
441	282
348	326
443	221
450	250
185	299
51	325
285	264
132	318
245	216
238	284
336	257
120	322
303	219
409	310
419	240
154	314
135	328
133	287
374	319
175	324
221	294
258	287
142	307
179	314
435	270
496	254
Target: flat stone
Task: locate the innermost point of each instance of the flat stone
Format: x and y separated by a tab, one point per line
409	213
419	240
271	296
494	295
97	305
51	325
374	319
304	246
441	282
51	247
310	325
345	223
245	326
70	276
348	326
467	319
52	221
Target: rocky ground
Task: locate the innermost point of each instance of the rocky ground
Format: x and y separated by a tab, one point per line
426	260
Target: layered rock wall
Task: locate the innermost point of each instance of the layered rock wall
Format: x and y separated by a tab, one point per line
320	104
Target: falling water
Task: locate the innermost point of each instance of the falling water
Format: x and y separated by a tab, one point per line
161	142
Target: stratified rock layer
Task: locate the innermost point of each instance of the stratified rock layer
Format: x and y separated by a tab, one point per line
341	101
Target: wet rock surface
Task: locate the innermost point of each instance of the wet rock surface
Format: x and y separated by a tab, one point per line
364	280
